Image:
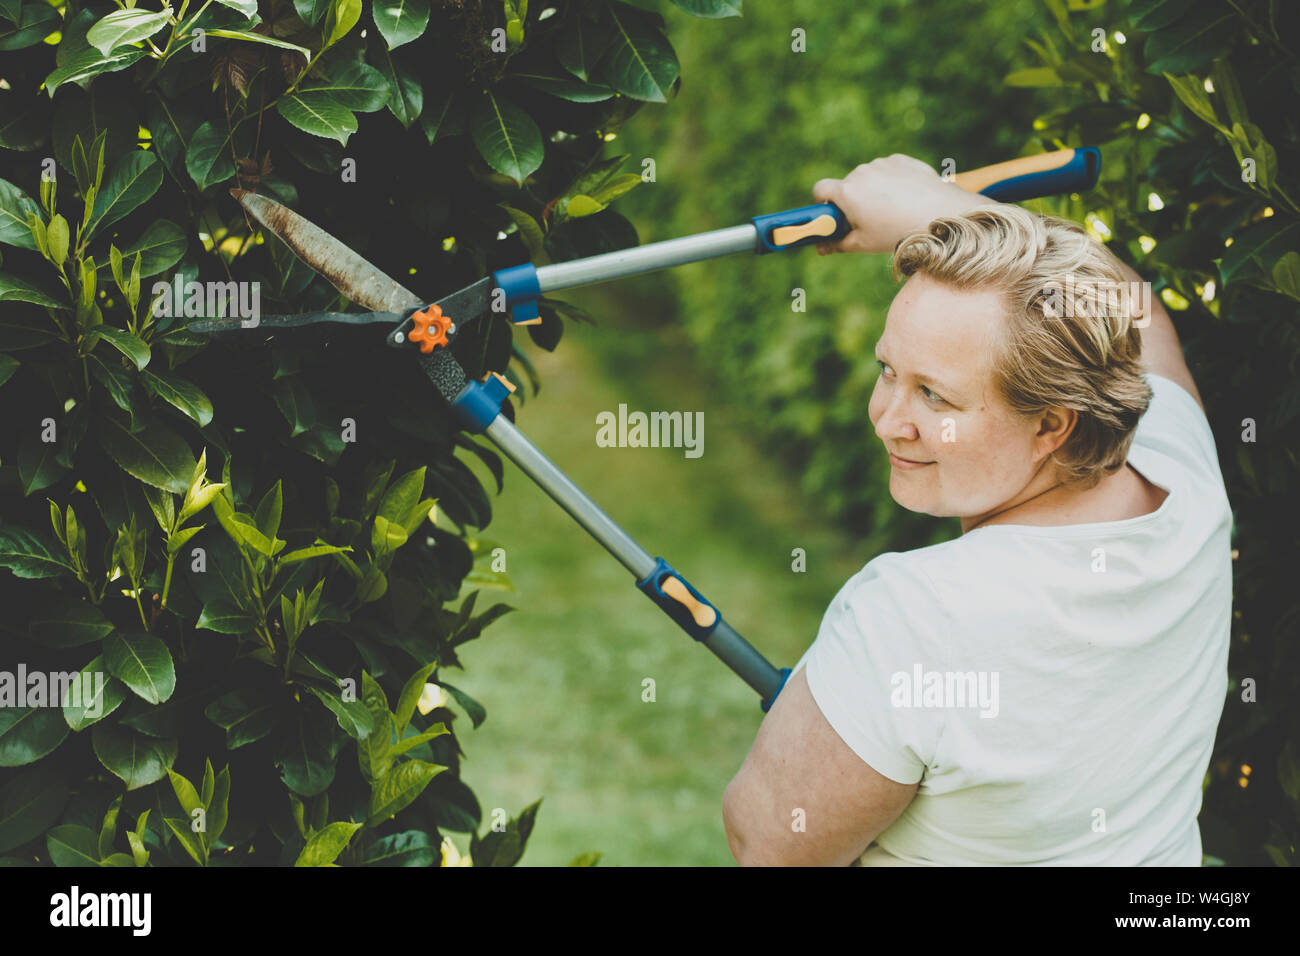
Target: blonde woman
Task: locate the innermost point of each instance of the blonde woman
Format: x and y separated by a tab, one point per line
1045	688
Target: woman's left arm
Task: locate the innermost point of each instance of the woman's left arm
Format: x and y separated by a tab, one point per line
802	796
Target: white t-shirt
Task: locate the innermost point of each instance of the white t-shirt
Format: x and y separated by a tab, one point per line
1097	651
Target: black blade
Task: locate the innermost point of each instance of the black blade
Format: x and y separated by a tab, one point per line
235	323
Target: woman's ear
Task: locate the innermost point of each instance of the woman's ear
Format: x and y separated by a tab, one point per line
1054	427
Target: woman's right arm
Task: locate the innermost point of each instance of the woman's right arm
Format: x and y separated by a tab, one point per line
893	196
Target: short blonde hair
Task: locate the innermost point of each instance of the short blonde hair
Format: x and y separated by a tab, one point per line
1085	356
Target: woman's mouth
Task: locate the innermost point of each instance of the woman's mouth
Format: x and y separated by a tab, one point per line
904	464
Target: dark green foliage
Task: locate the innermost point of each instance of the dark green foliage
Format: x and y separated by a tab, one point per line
235	532
1198	108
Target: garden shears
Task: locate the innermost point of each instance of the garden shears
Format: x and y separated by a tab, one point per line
428	328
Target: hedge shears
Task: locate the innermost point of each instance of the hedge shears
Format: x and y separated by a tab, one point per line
426	329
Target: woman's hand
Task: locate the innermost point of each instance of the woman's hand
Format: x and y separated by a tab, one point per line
888	198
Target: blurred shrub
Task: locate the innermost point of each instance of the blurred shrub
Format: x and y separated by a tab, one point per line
762	124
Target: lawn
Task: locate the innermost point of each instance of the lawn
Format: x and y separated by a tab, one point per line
562	677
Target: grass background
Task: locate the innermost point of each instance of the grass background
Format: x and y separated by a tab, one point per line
561	677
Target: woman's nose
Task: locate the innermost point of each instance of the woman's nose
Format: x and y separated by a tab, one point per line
893	422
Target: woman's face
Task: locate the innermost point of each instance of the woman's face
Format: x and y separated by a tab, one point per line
935	402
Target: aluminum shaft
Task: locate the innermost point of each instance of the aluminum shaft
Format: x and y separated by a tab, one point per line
657	255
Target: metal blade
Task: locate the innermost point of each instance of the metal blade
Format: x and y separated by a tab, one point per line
235	323
356	278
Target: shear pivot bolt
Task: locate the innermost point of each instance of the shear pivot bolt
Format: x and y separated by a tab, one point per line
399	337
431	328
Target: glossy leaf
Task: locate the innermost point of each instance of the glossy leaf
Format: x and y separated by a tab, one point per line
136	759
155	455
29	733
143	664
30	803
507	137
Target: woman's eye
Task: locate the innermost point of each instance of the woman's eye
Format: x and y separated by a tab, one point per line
930	395
883	366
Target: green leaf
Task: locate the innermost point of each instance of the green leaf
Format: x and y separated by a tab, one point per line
243	715
306	758
711	9
29	733
405	94
190	841
161	246
410	743
1190	43
241	528
38	465
409	848
248	37
401	785
180	393
142	663
72	624
132	182
218	805
343	16
225	618
507	137
505	847
640	62
311	11
318	113
352	715
29	804
312	551
156	455
14	207
88	63
567	88
325	845
473	709
126	343
8	365
136	759
104	699
124	27
207	158
529	231
28	556
1286	274
589	858
400	21
374	753
247	7
70	845
269	509
580	49
410	696
14	289
1256	249
355	86
35	22
185	793
108	830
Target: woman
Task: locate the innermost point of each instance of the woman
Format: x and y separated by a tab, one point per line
1045	688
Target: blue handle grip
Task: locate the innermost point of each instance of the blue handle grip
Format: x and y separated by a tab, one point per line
798	217
1076	175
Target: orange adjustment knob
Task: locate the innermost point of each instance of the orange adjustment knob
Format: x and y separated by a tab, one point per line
431	328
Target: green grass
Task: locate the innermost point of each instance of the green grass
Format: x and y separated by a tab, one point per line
561	677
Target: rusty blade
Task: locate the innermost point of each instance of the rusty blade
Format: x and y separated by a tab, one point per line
356	278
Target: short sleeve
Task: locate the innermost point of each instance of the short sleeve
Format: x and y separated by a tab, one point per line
883	625
1175	426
